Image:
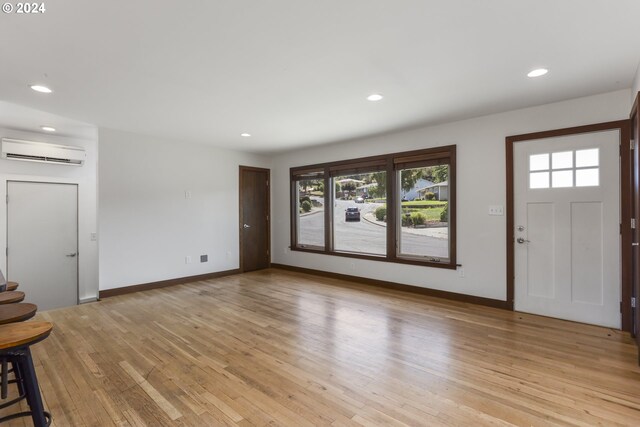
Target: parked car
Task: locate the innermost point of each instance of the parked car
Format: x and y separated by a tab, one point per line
352	214
359	200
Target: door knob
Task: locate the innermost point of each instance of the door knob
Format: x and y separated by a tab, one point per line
71	255
521	240
246	226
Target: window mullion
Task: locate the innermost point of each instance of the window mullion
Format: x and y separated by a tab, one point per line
392	197
328	211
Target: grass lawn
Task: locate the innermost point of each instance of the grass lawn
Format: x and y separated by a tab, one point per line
424	204
429	208
432	214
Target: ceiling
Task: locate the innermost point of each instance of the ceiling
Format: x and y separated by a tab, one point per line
295	73
20	118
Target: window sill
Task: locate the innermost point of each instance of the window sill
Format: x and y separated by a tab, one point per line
449	264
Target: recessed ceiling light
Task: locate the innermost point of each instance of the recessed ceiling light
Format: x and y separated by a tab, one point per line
538	72
375	97
245	135
40	88
48	128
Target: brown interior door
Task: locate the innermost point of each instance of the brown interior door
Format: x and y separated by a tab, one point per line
635	207
254	219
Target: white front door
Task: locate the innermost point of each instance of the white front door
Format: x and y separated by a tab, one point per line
567	216
42	242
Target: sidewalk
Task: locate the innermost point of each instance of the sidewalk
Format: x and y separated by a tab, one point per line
436	232
311	212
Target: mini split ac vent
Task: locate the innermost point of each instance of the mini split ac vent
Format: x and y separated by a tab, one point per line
15	149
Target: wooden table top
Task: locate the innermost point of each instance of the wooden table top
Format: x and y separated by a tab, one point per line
12	286
19	334
10	297
11	313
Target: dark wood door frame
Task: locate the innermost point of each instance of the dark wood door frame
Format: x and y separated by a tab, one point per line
625	206
241	211
635	211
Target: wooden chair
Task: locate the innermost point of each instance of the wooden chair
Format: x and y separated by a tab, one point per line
16	340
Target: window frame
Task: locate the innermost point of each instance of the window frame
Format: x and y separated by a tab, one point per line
389	163
299	175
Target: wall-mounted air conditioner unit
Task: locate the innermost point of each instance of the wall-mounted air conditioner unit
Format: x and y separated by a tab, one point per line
43	152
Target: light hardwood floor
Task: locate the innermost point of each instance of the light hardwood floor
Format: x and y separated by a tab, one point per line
281	348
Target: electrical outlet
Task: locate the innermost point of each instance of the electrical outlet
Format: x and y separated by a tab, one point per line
187	260
460	271
94	237
204	258
496	210
352	266
187	194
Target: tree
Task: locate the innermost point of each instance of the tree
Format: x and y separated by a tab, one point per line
409	177
380	179
440	173
348	186
305	183
437	174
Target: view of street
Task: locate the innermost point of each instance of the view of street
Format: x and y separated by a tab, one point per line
363	236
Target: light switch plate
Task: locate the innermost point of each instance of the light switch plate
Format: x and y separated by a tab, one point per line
496	210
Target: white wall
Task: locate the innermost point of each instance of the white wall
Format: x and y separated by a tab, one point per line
147	226
84	176
635	88
481	175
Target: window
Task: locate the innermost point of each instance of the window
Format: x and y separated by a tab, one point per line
424	221
567	169
355	202
398	207
308	190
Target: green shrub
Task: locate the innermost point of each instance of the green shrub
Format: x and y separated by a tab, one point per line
406	220
418	218
381	213
305	199
306	205
444	215
429	196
